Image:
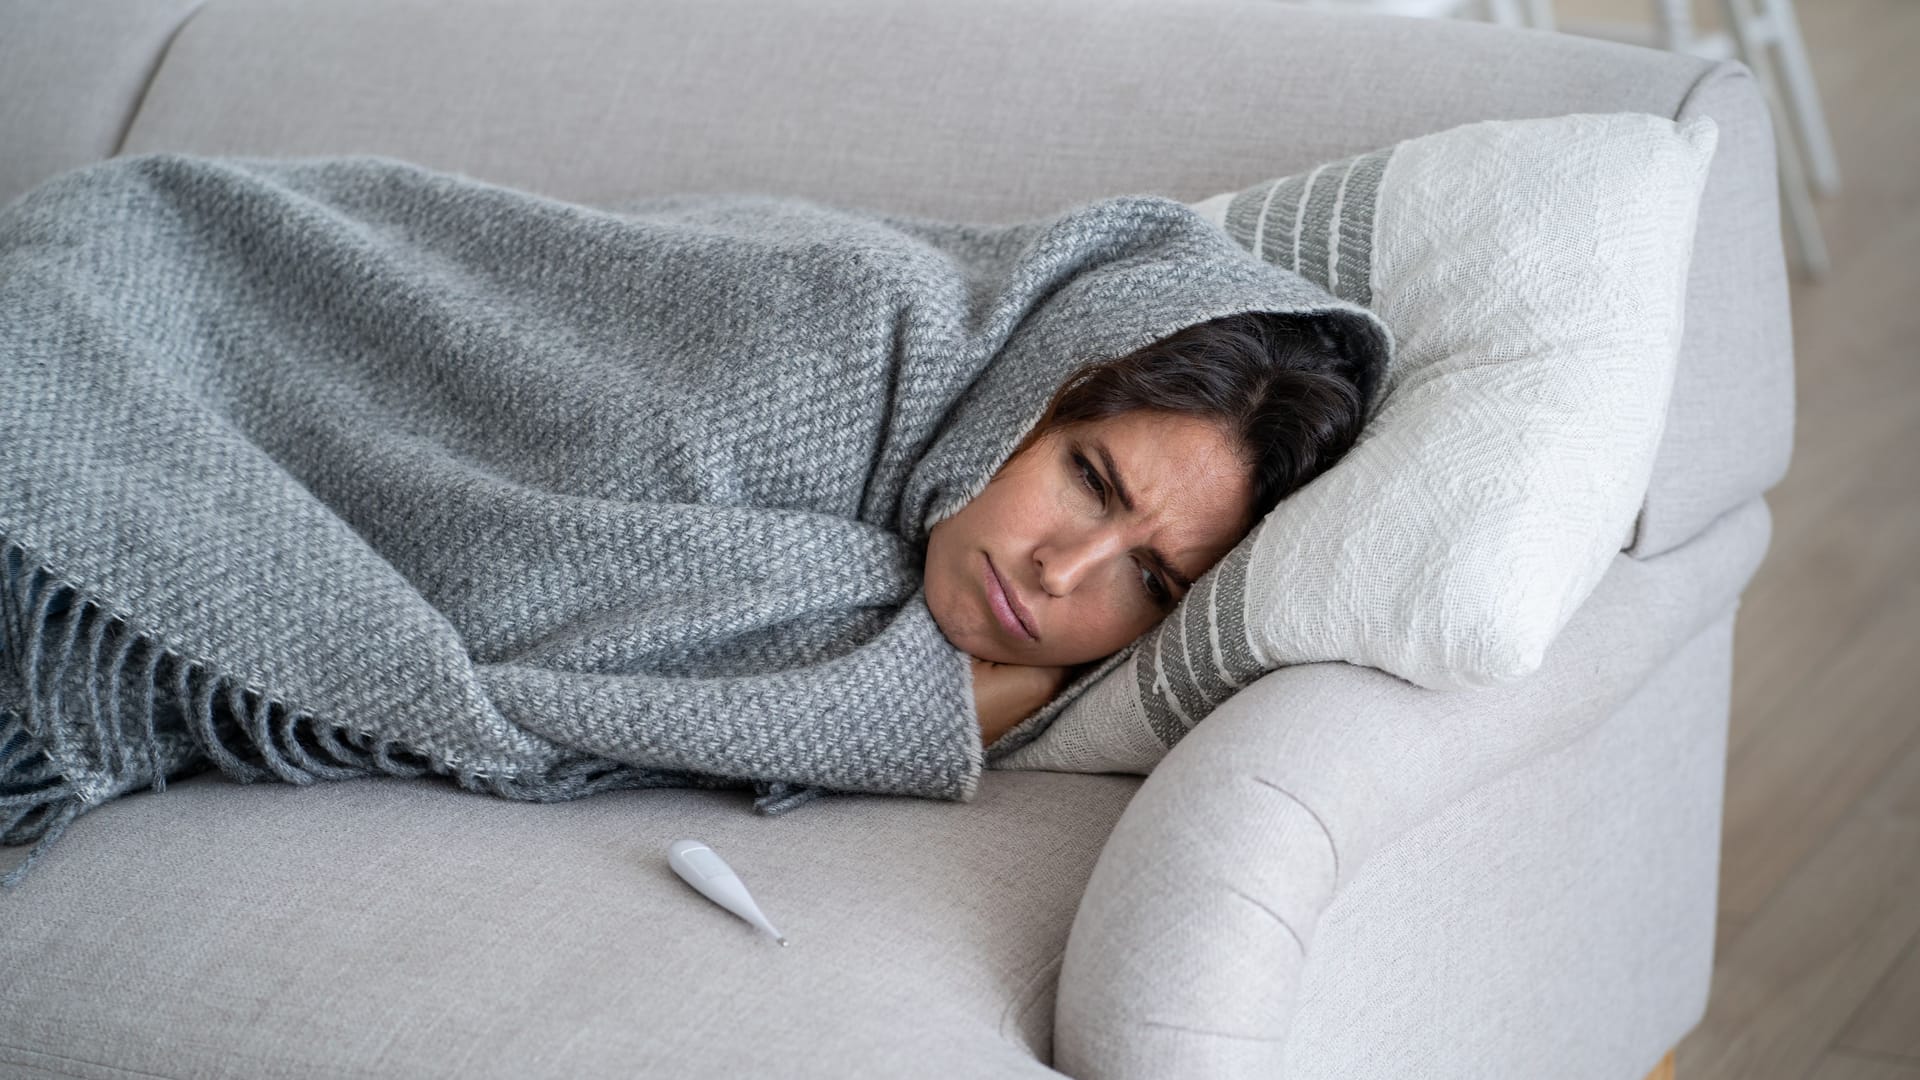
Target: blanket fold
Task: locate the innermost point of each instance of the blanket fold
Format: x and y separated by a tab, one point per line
339	467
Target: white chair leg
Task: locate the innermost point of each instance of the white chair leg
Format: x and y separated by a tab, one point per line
1803	225
1801	217
1803	97
1676	25
1505	12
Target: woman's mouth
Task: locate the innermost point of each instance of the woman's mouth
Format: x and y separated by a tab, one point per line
1002	603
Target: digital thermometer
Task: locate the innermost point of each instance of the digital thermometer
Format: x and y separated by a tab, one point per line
700	867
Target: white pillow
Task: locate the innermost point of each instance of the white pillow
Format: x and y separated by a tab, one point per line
1532	273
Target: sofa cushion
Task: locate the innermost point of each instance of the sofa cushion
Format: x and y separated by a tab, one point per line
407	928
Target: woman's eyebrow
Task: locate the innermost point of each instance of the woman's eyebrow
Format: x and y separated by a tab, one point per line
1126	500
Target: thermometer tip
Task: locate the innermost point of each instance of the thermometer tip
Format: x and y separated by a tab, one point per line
783	942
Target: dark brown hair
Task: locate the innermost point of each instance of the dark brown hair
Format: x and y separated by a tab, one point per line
1290	391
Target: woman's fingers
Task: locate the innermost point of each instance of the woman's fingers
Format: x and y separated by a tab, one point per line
1005	694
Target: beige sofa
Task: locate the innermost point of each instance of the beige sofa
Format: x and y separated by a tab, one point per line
1337	875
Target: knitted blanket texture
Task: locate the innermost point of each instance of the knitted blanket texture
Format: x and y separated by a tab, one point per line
324	468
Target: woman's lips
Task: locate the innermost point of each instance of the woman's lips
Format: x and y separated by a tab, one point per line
1001	601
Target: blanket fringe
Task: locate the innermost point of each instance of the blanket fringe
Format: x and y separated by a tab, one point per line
780	796
59	643
151	712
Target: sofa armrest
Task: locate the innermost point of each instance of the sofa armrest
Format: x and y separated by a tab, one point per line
1185	955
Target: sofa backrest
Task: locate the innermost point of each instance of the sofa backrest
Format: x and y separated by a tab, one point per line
983	109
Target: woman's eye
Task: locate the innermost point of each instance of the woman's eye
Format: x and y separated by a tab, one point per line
1090	478
1156	589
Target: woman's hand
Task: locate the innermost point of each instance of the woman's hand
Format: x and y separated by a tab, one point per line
1005	694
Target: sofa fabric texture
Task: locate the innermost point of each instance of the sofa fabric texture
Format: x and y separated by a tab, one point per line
458	936
75	76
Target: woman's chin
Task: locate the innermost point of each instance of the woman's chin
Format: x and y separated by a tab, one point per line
958	632
998	655
991	644
978	639
982	643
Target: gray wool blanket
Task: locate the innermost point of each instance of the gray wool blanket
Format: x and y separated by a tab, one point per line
336	467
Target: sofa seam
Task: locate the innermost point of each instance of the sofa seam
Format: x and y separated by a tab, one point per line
121	1069
153	73
1332	848
1706	527
1275	916
1027	996
1213	1034
1731	67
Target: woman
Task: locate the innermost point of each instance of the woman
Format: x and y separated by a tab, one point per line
1142	473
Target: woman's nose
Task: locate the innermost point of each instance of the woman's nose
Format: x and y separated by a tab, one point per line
1065	562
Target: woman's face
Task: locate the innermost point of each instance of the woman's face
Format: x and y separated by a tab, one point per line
1073	560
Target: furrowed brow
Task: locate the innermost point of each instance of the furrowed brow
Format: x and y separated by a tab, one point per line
1173	571
1126	500
1113	473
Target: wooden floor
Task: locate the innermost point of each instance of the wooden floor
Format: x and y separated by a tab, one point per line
1817	971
